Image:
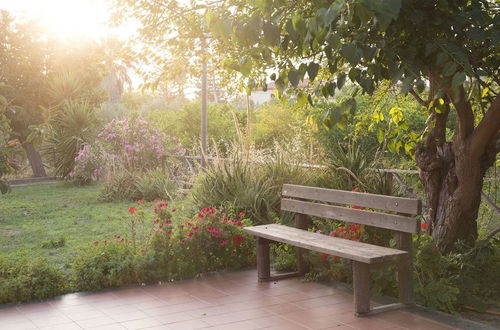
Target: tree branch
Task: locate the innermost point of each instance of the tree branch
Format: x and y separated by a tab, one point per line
418	98
487	130
464	113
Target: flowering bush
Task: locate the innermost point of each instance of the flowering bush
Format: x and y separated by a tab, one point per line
209	241
88	165
159	248
135	144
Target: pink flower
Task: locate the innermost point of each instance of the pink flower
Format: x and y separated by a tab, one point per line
132	210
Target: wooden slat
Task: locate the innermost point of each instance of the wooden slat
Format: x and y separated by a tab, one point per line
380	202
343	248
380	220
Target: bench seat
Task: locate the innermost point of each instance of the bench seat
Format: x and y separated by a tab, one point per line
362	252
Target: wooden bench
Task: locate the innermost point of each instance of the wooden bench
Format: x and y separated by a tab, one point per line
393	213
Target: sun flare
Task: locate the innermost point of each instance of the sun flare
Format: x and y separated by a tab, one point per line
67	19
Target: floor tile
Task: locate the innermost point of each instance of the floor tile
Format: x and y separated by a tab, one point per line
219	301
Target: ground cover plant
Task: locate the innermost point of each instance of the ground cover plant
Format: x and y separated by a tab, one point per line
32	217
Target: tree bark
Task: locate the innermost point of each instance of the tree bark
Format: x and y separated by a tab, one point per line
452	173
34	159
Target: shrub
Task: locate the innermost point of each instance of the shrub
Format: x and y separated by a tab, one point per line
105	264
237	182
248	184
88	165
73	126
209	241
147	185
25	278
135	145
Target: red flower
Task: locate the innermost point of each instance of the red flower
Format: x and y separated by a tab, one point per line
423	225
132	210
140	202
200	215
241	214
238	240
323	257
223	242
96	243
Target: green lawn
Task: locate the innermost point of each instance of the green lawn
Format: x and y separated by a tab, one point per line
32	215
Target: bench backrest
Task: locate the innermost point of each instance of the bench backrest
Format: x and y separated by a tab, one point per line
307	200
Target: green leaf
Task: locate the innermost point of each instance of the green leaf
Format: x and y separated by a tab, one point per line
299	24
294	77
340	80
449	69
364	14
333	12
310	100
387	8
458	79
271	34
351	53
333	40
441	58
380	135
312	70
407	84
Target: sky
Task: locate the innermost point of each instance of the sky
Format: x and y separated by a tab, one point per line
68	18
72	19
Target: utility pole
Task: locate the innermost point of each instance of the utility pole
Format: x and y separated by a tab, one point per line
204	117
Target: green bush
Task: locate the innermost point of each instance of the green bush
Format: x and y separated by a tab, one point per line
74	124
107	264
248	184
185	123
147	185
238	182
25	278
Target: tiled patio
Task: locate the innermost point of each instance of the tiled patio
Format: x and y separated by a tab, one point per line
222	301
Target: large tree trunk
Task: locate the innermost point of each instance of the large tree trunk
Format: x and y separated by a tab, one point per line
452	173
453	180
34	159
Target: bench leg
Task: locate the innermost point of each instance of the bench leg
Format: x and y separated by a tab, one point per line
405	279
361	281
405	274
263	261
302	221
